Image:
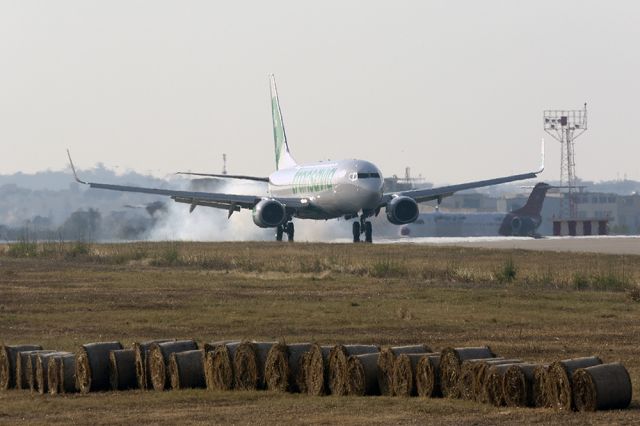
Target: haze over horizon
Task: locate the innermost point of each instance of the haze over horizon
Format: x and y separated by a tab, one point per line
455	90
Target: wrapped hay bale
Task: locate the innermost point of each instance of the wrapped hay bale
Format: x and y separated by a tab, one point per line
362	374
297	357
481	371
53	372
143	372
494	389
67	370
428	376
404	373
468	382
159	357
541	388
248	364
122	369
316	372
92	366
338	365
601	387
8	355
560	373
277	370
451	360
41	377
186	369
24	369
386	363
518	385
218	368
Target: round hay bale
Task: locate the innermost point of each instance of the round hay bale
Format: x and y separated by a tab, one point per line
451	360
481	371
186	369
68	382
404	383
122	369
560	373
143	372
53	372
494	384
601	387
297	357
41	377
8	356
245	367
159	357
338	365
277	370
362	374
23	359
218	368
316	369
468	382
541	387
386	363
518	385
428	376
262	354
92	366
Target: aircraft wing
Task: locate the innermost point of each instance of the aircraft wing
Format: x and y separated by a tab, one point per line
230	202
422	195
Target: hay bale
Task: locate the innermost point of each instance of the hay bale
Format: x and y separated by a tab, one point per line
54	380
297	357
23	368
218	367
601	387
8	356
186	369
362	374
404	372
277	370
68	382
518	385
159	358
143	372
451	360
92	366
249	364
122	369
467	382
541	387
428	376
481	371
338	365
559	384
316	372
386	363
41	376
494	389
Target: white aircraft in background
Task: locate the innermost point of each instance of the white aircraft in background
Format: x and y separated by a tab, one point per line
350	189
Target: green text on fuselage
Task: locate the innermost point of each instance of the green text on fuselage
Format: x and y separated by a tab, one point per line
313	180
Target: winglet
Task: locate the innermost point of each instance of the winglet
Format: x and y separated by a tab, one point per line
75	175
541	159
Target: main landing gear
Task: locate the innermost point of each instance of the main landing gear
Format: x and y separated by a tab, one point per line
360	227
285	228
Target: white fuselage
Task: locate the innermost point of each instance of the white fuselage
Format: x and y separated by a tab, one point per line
332	189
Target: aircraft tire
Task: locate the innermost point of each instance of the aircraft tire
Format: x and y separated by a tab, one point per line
279	232
368	232
290	231
356	232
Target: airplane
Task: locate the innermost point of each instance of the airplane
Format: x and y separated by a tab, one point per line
349	189
522	222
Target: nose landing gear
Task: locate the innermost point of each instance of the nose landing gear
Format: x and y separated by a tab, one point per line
287	228
362	227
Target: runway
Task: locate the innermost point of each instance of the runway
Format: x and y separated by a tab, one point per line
600	244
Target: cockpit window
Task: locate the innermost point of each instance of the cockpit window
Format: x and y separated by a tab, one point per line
368	175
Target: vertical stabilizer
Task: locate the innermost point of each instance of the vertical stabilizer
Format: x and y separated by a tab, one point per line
283	156
533	207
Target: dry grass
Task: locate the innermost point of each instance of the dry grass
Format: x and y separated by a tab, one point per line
375	294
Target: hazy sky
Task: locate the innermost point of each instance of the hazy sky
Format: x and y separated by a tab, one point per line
453	89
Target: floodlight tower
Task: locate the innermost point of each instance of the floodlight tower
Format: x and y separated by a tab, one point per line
565	126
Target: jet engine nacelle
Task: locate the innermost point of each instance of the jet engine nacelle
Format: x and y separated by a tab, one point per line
269	213
522	226
402	210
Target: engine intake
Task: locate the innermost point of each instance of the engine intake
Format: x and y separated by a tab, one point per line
269	214
402	210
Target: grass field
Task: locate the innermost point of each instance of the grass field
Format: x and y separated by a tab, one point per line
539	306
